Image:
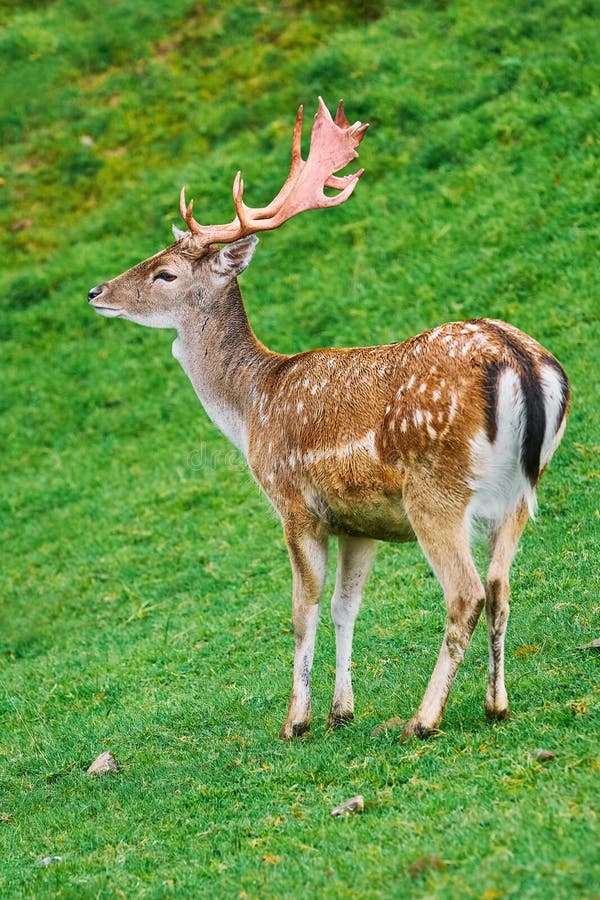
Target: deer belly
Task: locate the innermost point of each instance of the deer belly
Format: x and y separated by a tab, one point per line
384	518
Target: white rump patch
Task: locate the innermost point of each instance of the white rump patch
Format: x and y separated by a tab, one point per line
497	477
552	390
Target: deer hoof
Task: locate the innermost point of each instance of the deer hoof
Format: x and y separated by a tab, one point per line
497	715
291	730
338	718
414	728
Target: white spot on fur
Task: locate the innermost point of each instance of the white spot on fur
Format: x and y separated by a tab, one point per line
410	381
453	407
423	388
299	406
404	425
418	417
436	395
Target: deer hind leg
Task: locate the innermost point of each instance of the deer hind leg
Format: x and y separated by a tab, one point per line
308	557
503	542
446	546
355	559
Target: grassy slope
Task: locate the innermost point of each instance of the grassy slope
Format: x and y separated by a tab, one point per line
144	584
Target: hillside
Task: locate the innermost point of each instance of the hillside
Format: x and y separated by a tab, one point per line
144	583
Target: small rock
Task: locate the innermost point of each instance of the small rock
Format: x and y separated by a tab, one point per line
542	755
350	807
86	140
48	860
102	764
593	645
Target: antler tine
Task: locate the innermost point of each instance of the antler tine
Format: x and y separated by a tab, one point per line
186	213
340	116
240	207
297	139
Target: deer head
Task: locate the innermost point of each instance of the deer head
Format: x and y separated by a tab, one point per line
158	291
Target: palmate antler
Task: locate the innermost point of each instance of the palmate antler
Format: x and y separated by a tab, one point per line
332	143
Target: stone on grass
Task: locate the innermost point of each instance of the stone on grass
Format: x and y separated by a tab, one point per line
349	807
102	764
48	860
542	755
593	645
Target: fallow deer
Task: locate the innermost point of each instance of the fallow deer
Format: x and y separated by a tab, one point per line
409	441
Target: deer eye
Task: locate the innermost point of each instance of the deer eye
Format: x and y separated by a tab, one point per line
165	276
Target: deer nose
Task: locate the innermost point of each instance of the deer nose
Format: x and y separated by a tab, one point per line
95	292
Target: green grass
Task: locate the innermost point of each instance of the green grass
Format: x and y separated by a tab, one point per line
144	584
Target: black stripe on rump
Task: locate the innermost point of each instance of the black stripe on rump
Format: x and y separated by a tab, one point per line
533	399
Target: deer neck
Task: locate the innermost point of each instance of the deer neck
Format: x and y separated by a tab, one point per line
223	359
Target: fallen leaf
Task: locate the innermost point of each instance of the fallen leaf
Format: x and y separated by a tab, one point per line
579	707
270	859
425	864
593	645
350	807
542	755
392	724
21	225
102	764
527	650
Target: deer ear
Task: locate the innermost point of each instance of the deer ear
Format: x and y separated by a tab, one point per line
232	259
